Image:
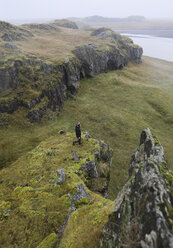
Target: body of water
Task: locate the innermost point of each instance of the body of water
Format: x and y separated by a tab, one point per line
157	47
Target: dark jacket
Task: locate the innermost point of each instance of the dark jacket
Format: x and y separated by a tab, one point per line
78	131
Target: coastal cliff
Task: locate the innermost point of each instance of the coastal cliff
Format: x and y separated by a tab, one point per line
38	85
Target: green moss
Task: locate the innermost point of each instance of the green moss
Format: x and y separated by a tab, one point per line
49	242
131	179
4	207
168	174
83	201
93	217
38	205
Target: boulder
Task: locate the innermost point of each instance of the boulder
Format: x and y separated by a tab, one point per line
80	197
76	158
97	171
61	176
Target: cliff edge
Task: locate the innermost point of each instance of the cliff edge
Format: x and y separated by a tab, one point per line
37	86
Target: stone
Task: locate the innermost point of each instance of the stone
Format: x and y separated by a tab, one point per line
87	135
145	202
90	168
61	176
66	59
76	158
97	171
7	212
78	196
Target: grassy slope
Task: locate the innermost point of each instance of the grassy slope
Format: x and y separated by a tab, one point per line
38	208
115	107
51	45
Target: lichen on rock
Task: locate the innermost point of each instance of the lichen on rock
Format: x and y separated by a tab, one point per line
142	215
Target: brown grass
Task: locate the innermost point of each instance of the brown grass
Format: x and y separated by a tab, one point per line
55	45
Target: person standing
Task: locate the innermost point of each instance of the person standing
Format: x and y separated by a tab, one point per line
78	134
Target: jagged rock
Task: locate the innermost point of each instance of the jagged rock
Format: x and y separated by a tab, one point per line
97	171
61	176
90	168
7	212
78	196
87	135
36	115
76	158
62	132
142	215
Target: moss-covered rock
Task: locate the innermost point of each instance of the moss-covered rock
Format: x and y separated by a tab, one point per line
9	32
33	207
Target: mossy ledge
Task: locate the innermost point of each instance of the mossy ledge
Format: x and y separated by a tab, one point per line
26	81
142	215
37	210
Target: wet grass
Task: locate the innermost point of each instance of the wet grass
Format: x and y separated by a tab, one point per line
115	107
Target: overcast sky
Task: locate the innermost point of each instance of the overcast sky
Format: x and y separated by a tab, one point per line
36	9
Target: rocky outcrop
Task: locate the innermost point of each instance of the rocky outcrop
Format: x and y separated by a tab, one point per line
57	81
65	23
97	171
9	32
142	215
49	189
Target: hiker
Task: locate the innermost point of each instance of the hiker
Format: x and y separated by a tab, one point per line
78	134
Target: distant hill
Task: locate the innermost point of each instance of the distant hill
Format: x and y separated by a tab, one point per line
97	18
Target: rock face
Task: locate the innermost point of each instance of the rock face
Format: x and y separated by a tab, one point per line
97	171
80	195
142	215
39	85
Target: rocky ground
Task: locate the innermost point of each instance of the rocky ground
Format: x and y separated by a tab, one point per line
53	194
46	193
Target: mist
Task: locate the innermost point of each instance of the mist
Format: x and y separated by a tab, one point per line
52	9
